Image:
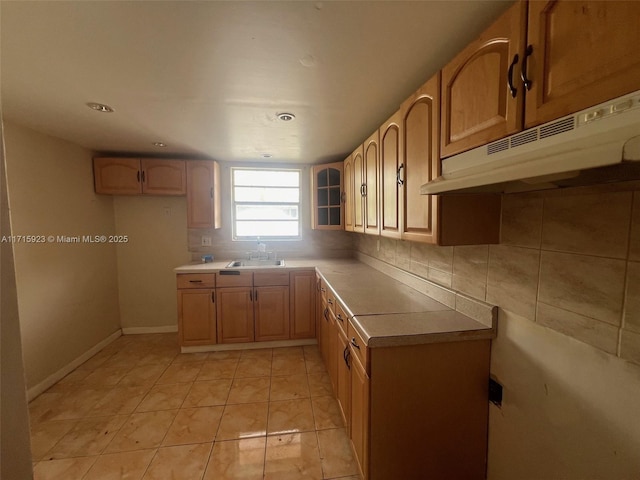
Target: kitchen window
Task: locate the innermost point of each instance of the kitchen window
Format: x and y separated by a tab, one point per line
266	203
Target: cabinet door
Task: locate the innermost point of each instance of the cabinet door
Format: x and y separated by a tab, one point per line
360	415
349	194
235	314
477	104
582	53
358	186
163	177
391	167
370	181
203	194
421	162
196	317
344	378
318	312
327	190
117	176
271	310
303	305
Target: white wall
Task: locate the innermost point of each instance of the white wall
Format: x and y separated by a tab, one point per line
67	293
570	411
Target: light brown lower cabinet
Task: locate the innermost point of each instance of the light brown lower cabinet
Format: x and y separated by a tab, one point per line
234	306
344	376
420	411
271	313
196	309
302	308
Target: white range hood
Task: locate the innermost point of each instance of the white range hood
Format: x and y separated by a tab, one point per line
552	154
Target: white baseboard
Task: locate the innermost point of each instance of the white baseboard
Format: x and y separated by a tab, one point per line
249	346
52	379
143	330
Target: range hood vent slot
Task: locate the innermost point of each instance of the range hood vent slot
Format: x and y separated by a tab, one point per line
555	128
524	138
498	146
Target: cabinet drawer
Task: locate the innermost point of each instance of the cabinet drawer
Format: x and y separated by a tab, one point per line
234	278
342	319
358	347
265	279
196	280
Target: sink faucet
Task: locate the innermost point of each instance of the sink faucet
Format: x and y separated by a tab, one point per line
260	253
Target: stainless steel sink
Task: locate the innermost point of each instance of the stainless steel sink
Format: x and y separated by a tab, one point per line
256	263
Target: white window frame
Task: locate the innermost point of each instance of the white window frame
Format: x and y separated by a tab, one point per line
234	204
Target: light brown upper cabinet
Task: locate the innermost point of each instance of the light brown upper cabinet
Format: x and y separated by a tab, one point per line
579	54
443	220
327	196
358	189
135	176
482	96
349	193
371	219
203	194
420	127
390	170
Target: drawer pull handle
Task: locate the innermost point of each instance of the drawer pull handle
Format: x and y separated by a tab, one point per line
354	343
339	317
229	272
195	281
330	301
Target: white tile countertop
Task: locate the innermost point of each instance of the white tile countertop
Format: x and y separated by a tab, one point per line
385	310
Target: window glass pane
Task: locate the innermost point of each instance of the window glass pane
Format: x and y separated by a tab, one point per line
264	194
266	203
267	212
266	178
266	229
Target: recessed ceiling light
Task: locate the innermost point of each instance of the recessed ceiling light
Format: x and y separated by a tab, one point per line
266	155
100	107
286	117
159	144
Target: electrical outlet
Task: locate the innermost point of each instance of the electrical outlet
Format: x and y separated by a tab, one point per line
167	211
206	241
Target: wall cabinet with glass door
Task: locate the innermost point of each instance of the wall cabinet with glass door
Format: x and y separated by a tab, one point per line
328	194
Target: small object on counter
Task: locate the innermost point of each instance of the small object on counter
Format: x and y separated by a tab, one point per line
207	258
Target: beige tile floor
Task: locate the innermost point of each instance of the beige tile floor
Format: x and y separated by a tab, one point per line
141	410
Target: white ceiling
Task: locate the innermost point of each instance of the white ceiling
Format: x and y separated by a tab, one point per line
208	78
